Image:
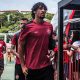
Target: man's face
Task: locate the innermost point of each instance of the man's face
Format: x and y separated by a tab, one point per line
40	12
22	22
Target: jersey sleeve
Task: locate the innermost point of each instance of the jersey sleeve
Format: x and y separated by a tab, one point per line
14	40
24	33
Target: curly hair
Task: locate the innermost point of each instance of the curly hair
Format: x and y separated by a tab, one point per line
36	6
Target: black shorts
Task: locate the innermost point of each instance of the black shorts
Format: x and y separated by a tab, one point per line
41	74
18	71
1	66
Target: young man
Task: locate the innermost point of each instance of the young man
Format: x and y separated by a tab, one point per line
18	71
33	44
2	51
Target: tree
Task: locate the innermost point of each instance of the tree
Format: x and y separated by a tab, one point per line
10	20
49	16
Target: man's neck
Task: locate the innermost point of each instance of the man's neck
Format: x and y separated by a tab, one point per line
39	21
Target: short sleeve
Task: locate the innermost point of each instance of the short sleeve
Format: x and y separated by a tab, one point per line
24	33
14	40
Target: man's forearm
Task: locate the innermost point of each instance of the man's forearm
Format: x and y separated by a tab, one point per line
22	59
21	53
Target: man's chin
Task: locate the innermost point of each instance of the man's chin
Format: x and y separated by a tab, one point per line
42	17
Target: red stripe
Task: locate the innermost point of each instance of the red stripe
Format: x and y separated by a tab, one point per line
68	25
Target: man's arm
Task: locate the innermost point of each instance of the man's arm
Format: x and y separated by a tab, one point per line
21	50
13	50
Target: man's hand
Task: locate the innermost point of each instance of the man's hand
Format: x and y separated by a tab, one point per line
25	70
51	55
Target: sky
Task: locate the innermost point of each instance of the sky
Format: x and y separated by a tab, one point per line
26	5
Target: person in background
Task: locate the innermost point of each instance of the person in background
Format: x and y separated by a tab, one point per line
14	49
66	56
33	44
2	51
75	53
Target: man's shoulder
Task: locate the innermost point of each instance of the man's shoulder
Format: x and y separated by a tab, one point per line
47	23
30	23
16	35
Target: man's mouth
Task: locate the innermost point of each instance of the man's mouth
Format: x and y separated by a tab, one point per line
43	14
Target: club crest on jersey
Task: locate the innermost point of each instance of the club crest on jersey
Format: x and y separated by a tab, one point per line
36	32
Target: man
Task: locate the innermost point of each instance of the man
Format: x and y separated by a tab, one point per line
33	44
18	71
2	51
